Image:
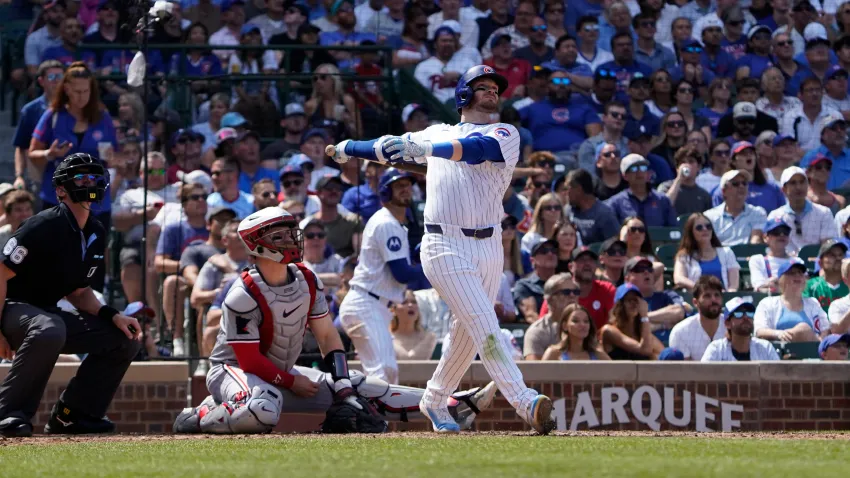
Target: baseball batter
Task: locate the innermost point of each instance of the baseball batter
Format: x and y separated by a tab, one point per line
254	377
379	280
469	169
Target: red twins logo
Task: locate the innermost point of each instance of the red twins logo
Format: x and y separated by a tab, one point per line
502	132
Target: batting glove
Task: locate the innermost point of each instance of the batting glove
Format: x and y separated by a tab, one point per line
405	150
381	149
339	155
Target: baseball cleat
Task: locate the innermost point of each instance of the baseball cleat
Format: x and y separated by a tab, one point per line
540	415
15	427
441	419
65	422
465	406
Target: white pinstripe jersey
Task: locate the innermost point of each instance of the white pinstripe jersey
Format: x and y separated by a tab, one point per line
384	240
689	337
465	195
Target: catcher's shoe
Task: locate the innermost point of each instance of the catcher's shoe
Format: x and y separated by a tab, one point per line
64	421
465	406
539	415
441	419
15	427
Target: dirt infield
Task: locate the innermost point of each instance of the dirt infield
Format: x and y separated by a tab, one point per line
50	440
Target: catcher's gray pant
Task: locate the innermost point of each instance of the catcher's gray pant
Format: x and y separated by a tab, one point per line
38	336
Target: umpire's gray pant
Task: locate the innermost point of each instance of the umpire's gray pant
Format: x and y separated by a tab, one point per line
38	336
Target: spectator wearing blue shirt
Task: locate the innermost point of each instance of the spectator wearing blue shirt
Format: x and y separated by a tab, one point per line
717	104
53	12
617	20
666	308
761	192
637	114
691	68
197	62
566	53
557	124
640	142
49	77
714	58
842	51
834	148
604	90
363	200
69	51
734	41
815	61
648	51
639	200
624	66
577	9
758	57
247	152
225	177
344	34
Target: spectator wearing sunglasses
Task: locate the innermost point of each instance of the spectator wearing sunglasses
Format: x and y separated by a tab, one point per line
520	30
639	200
594	220
326	264
537	52
604	90
612	261
761	192
566	55
528	291
813	223
836	88
739	345
734	221
559	291
548	213
757	59
701	253
640	142
638	115
225	178
693	335
818	172
687	197
691	68
790	317
610	181
648	51
587	31
764	268
624	66
666	308
577	338
713	57
833	147
613	124
627	335
264	194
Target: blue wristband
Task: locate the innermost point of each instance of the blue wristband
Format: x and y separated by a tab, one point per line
443	150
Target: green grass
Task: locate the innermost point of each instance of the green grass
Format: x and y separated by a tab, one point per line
414	457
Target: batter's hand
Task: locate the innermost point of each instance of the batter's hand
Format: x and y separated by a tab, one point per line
128	325
339	155
401	149
304	387
6	351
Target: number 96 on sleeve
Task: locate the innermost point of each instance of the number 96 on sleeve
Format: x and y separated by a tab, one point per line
14	252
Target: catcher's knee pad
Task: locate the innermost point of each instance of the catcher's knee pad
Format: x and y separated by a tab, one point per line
256	413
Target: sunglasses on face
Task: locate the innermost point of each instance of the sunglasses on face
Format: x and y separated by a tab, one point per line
693	49
638	168
676	124
55	76
555	10
551	207
156	171
646	25
294	182
540	184
268	194
561	81
782	231
605	73
545	250
569	292
509	226
221	171
617	115
315	235
298	216
637	229
703	227
320	77
686	91
737	184
822	166
740	314
538	28
197	197
722	153
420	25
784	43
745	121
616	252
592	27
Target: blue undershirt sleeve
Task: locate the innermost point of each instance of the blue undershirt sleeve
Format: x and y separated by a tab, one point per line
361	149
476	150
404	272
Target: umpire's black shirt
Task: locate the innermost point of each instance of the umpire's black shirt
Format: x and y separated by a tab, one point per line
51	257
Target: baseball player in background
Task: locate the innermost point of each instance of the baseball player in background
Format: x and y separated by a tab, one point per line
379	280
469	169
254	377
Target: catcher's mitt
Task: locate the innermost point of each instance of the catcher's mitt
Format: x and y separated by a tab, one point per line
353	415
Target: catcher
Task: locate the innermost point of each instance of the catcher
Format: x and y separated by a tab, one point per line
254	377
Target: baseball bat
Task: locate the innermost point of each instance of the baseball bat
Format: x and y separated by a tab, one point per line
330	150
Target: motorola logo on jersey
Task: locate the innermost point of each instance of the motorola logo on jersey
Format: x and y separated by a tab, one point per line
561	115
394	244
502	132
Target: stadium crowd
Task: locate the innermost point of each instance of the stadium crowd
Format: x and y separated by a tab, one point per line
680	193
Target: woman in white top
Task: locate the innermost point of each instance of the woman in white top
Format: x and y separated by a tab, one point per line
548	213
660	97
764	268
790	317
701	253
774	102
410	340
719	157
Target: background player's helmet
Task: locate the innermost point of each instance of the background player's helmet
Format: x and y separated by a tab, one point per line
391	175
463	90
262	234
83	177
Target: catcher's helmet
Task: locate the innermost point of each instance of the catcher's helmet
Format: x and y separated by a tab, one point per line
463	90
83	177
391	175
257	235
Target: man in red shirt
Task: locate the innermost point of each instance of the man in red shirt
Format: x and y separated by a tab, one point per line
596	296
515	70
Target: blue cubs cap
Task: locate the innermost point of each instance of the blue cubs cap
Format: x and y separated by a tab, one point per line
774	223
300	161
233	120
794	263
741	302
831	340
249	28
314	132
779	138
290	169
671	354
625	289
228	4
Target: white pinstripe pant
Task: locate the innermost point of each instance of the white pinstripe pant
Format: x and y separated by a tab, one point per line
367	323
466	273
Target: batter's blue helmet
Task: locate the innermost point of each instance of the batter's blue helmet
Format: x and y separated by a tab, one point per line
385	191
463	91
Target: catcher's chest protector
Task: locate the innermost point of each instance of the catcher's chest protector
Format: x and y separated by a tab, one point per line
285	310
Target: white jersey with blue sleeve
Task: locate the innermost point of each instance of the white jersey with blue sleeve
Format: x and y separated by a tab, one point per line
384	240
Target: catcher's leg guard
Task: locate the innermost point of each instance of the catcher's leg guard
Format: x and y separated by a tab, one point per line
189	420
254	413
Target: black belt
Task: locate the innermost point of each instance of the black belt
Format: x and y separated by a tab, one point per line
380	299
476	233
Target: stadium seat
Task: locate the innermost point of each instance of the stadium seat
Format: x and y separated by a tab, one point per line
756	297
683	219
797	350
809	254
666	254
665	235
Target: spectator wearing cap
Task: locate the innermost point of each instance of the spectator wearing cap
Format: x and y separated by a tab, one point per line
587	31
687	197
344	228
748	91
638	115
246	150
839	309
828	285
818	172
640	142
691	68
205	12
439	74
696	9
757	59
594	220
293	123
294	189
775	102
363	200
294	16
834	347
556	123
612	261
604	89
744	121
43	38
313	144
613	124
566	56
693	335
610	180
597	296
226	175
739	345
734	221
841	47
232	19
538	52
559	291
790	317
836	89
714	58
627	335
764	268
515	70
797	122
786	154
415	118
519	31
345	33
813	223
639	200
647	50
107	32
701	253
624	66
833	148
536	89
666	308
818	56
185	146
528	291
761	192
